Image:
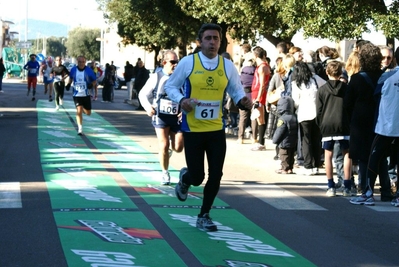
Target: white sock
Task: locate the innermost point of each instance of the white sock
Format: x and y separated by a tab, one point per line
80	128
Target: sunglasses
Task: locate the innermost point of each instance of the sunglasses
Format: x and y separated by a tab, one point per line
173	62
386	57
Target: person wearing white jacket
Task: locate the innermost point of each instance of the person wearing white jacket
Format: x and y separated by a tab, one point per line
165	113
304	88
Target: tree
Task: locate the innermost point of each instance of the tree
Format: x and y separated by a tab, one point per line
82	41
275	20
55	47
153	25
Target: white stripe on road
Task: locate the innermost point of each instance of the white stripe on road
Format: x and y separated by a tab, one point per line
279	198
10	195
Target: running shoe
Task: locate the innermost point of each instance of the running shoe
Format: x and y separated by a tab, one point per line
204	223
258	147
50	99
331	192
348	193
364	199
165	178
33	98
57	108
181	189
395	202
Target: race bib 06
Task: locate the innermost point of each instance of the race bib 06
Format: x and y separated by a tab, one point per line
167	107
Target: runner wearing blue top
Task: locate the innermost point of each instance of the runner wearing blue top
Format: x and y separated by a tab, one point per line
32	66
83	79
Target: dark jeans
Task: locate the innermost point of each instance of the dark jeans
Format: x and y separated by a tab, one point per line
378	165
107	90
59	89
196	145
287	157
311	144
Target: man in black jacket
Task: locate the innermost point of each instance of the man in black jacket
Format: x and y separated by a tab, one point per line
129	79
142	76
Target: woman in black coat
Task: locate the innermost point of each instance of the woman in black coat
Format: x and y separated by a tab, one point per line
360	104
2	70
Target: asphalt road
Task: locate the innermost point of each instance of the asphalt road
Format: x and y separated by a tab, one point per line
292	208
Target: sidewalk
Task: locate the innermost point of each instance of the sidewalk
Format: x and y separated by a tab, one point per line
14	80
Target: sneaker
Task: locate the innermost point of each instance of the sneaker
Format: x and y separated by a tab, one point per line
1	91
315	171
165	178
61	103
57	108
348	193
33	98
204	223
50	99
366	199
258	147
331	192
307	172
80	133
395	202
181	189
240	141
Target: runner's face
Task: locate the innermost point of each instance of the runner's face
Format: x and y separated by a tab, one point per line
210	43
170	63
81	62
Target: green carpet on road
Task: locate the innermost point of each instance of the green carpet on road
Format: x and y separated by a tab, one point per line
100	225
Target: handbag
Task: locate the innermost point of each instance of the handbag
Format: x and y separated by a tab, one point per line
275	95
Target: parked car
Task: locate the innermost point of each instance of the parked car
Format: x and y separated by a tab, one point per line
120	80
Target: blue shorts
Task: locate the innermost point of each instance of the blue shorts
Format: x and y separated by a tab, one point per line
329	145
167	121
47	80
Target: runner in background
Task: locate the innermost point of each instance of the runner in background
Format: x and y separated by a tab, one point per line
83	79
48	78
165	114
32	66
60	73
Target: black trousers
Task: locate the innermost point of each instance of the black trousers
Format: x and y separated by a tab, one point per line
311	144
196	146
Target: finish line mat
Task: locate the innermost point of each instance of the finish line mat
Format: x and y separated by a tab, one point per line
103	186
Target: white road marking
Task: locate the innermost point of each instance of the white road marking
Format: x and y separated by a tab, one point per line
10	195
280	198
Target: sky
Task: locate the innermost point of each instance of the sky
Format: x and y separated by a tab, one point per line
69	12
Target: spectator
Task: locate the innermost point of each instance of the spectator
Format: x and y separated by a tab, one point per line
142	75
361	107
304	88
128	74
2	71
286	134
333	121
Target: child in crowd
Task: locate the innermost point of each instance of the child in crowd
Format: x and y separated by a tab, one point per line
286	134
333	121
